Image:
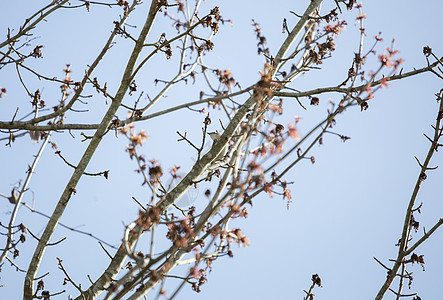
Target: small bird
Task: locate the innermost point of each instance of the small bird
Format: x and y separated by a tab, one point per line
215	136
35	135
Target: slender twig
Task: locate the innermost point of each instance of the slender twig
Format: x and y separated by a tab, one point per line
88	73
78	287
15	265
69	227
41	15
167	42
104	173
381	264
104	249
423	238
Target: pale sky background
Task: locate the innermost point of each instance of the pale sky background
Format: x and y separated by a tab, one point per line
347	207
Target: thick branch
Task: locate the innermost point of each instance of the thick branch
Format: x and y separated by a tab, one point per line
357	88
295	33
402	251
29	126
70	187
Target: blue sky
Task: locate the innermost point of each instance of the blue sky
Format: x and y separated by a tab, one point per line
346	208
